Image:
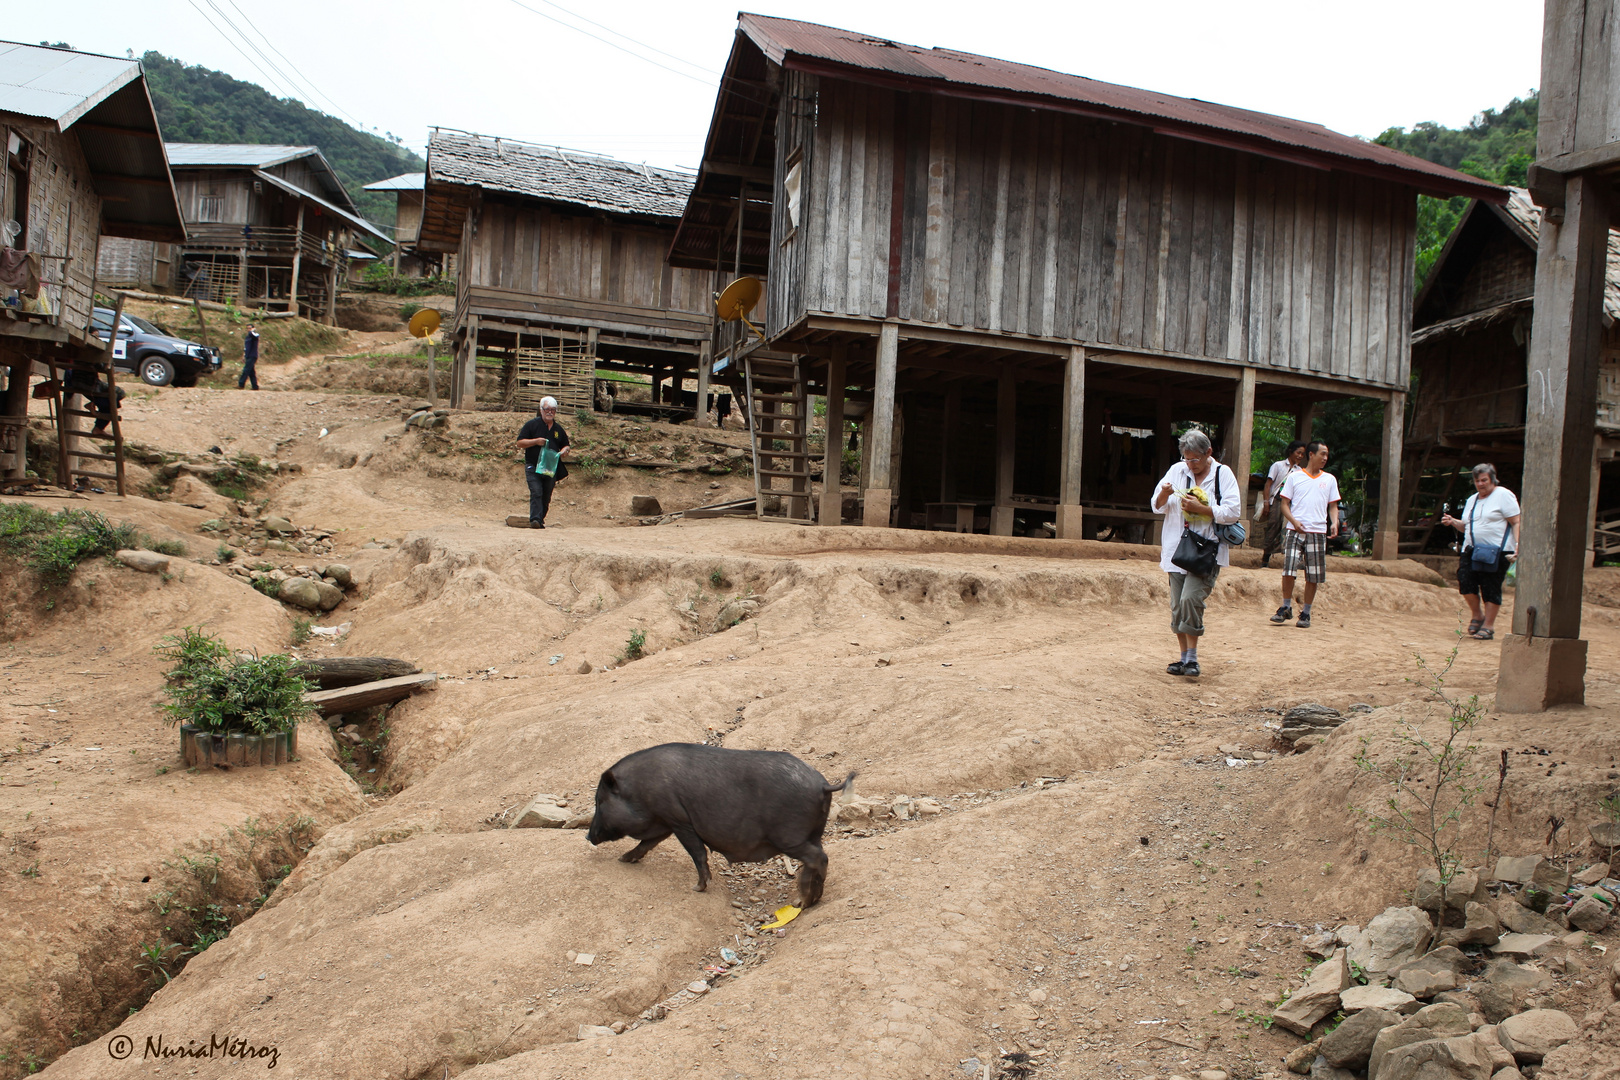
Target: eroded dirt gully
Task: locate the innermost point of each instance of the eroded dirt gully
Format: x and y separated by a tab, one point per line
1123	920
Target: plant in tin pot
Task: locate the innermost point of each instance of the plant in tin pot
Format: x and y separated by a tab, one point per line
234	709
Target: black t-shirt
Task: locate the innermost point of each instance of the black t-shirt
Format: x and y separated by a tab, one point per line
536	429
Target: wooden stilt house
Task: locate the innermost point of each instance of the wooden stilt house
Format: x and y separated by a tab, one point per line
560	269
1471	334
82	158
1028	280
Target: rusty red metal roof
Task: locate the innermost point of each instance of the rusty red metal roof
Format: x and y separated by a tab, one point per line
843	53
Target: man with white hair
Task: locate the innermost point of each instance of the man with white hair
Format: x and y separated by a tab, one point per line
540	469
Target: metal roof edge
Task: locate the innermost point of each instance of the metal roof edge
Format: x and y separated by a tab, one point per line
292	188
78	112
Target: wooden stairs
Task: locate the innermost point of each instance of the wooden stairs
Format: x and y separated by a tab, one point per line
779	423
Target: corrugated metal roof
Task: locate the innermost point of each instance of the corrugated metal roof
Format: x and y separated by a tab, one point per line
548	172
411	181
1525	214
809	46
58	85
239	155
101	101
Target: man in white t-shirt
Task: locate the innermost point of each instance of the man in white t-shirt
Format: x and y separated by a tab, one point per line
1310	506
1270	513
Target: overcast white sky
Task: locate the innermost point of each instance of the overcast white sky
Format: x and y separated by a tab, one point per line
493	67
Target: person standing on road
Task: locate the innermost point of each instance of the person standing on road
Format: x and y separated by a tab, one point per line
1188	592
1310	505
1281	469
250	358
1490	542
538	434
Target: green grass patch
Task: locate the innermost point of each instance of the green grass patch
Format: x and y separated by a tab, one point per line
53	545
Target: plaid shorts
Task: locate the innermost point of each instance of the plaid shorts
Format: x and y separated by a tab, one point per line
1309	549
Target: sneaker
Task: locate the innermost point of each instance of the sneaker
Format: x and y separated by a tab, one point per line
1304	622
1176	668
1190	669
1284	613
536	524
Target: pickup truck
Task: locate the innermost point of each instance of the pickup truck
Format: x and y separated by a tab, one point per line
158	358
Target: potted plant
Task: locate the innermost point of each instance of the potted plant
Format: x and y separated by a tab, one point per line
234	709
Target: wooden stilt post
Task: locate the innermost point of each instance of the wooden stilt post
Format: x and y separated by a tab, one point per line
1544	660
880	428
1304	420
1074	434
832	494
1240	440
242	277
1001	515
949	437
298	258
1164	430
705	363
1387	540
15	410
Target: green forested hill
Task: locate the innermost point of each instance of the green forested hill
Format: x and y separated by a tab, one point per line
1496	146
195	104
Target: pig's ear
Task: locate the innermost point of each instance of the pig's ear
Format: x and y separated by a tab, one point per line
609	782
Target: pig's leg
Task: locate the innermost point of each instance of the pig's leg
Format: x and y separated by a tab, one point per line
812	871
636	853
700	856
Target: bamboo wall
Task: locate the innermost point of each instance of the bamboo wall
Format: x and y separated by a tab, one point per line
64	218
1038	223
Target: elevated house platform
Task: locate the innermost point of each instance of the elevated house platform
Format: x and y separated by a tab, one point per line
1035	280
561	254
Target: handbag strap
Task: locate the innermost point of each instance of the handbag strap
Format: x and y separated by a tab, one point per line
1473	508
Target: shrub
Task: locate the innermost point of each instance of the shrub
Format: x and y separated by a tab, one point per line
221	692
635	646
590	469
407	310
53	545
270	586
168	547
301	631
225	553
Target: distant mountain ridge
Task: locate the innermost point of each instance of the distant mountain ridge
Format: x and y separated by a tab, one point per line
196	104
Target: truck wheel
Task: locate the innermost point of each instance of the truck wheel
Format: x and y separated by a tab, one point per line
156	371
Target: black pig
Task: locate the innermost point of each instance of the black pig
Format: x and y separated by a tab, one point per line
746	804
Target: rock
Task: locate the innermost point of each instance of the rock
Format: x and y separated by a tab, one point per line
903	808
147	562
1487	1038
1495	1002
1480	927
1349	1045
541	815
1460	1058
1594	873
929	807
1357	998
734	612
279	545
1522	945
340	573
584	667
1517	869
645	506
617	1027
301	592
1212	1074
1300	1058
1424	984
1308	720
276	526
1322	1069
1521	920
1443	1021
1533	1035
1308	742
1550	877
1391	939
593	1031
1604	834
1320	945
1511	976
1318	998
1465	887
1444	958
1507	1074
1590	914
578	821
328	596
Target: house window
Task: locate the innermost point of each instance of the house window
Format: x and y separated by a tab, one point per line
792	185
210	208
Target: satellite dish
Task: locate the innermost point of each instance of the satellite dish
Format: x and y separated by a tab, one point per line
739	299
424	322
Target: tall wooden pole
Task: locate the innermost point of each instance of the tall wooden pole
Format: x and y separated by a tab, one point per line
1240	440
880	496
1074	438
298	259
705	362
1001	515
1387	541
832	494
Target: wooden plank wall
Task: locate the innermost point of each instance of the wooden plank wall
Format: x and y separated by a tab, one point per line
538	249
233	188
64	218
1039	223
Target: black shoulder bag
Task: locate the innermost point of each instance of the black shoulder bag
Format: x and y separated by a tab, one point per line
1196	554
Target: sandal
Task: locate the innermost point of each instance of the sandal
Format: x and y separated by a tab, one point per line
1484	633
1474	625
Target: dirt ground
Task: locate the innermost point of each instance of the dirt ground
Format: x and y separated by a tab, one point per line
1096	888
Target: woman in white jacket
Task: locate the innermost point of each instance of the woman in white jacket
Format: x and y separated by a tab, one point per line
1188	592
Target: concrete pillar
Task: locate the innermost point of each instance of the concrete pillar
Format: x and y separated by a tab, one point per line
1240	439
1544	659
704	364
832	494
1001	516
880	428
1387	540
1074	434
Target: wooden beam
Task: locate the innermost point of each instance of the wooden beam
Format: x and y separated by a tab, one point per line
880	428
832	492
1386	542
703	373
369	695
1001	515
1240	440
1073	443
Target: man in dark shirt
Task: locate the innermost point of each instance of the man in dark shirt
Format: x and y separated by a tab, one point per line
542	432
250	358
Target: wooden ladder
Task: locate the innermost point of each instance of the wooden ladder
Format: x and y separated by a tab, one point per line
778	420
74	443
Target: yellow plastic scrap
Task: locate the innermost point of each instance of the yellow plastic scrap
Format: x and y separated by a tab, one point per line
1201	495
784	915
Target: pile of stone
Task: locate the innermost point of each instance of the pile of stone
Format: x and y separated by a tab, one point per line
1473	999
422	414
269	533
313	588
